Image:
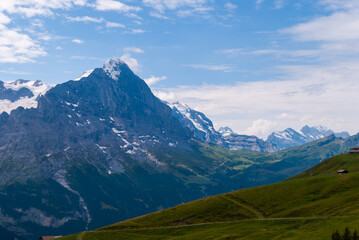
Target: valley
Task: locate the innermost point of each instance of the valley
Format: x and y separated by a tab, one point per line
303	207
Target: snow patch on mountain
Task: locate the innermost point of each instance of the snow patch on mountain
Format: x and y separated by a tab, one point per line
197	122
225	131
186	112
37	89
112	67
84	75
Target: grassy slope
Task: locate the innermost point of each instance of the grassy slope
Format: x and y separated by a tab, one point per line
298	229
294	209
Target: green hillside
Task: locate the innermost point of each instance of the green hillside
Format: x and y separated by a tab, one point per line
310	205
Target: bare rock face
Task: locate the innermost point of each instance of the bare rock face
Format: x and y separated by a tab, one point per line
235	141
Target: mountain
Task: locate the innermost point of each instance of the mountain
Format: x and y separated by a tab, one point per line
290	137
197	122
21	93
87	138
311	205
102	148
234	141
203	130
225	131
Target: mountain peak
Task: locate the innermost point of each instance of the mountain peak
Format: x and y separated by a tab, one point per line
84	75
180	106
113	67
225	131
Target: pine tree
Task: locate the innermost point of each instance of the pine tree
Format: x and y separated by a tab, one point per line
347	235
355	235
336	235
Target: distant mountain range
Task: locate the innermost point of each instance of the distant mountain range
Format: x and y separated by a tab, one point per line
203	130
102	148
289	137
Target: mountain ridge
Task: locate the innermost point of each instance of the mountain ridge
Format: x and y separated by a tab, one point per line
290	137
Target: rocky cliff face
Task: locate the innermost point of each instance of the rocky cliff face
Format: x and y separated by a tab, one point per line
234	141
201	126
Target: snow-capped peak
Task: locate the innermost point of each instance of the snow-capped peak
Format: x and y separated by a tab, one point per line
84	75
36	87
112	67
321	128
225	131
17	97
180	107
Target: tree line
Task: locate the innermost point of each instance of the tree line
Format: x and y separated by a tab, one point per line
347	235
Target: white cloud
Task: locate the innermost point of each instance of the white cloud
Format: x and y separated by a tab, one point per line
153	80
88	58
278	4
158	15
112	5
4	19
131	62
194	11
230	6
224	68
85	19
339	26
339	4
258	3
114	25
261	127
136	31
291	53
133	49
30	8
77	41
314	95
232	51
162	5
17	47
14	72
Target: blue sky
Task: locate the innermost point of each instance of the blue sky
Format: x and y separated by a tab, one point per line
255	65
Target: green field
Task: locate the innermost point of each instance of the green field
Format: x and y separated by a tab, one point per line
310	205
